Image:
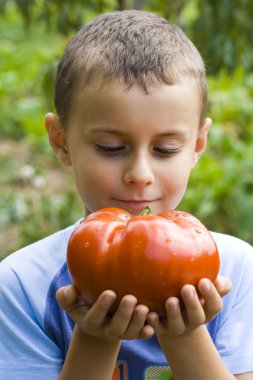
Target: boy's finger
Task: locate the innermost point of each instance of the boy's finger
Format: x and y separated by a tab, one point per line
175	319
223	285
99	310
66	296
72	303
122	316
212	300
137	322
194	310
153	320
147	332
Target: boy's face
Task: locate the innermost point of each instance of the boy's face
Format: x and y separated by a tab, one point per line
129	149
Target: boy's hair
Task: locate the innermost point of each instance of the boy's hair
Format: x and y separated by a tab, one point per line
128	47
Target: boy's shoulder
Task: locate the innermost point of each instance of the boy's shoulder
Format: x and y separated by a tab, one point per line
230	328
49	250
26	278
29	271
236	260
231	246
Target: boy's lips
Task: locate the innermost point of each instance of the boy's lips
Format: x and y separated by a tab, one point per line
134	204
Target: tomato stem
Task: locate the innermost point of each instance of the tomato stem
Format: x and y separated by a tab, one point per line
146	211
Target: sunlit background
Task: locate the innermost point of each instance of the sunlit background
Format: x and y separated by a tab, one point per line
37	196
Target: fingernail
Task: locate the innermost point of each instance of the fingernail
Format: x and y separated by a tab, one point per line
206	285
192	293
174	307
221	285
108	299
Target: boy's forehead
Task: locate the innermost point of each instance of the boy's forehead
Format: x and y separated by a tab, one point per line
103	87
114	100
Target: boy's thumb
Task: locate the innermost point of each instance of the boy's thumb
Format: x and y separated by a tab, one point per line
66	296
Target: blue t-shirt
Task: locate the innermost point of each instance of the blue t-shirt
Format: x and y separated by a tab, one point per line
35	333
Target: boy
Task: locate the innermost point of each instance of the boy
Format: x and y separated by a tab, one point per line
131	98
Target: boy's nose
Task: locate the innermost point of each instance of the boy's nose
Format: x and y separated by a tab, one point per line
139	172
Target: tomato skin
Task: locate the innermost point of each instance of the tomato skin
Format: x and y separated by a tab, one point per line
149	256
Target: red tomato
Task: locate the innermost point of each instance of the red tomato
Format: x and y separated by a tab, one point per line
149	256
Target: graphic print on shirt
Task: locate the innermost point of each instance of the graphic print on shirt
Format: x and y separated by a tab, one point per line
151	373
120	371
158	373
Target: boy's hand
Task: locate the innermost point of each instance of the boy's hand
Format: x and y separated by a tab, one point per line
223	285
197	309
128	321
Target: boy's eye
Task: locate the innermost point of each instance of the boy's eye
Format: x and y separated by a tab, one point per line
166	151
110	150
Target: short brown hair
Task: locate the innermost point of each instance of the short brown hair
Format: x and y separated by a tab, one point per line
130	47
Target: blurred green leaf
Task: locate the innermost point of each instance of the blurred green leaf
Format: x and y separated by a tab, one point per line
220	190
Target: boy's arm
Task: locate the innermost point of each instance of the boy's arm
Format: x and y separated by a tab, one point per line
245	376
96	338
89	358
194	356
185	340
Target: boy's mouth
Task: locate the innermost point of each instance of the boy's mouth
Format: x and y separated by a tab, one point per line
134	204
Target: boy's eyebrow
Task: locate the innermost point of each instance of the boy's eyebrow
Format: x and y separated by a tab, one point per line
179	132
105	130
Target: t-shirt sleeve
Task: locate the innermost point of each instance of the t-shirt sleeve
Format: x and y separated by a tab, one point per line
234	334
26	352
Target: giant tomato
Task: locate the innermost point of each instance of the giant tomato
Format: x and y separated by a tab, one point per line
149	256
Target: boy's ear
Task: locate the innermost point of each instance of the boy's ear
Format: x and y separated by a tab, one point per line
57	139
201	140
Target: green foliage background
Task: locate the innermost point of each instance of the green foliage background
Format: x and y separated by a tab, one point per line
33	36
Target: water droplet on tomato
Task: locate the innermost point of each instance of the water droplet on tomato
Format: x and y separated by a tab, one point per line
137	244
86	244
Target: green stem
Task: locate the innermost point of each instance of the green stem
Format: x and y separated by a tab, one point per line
146	211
